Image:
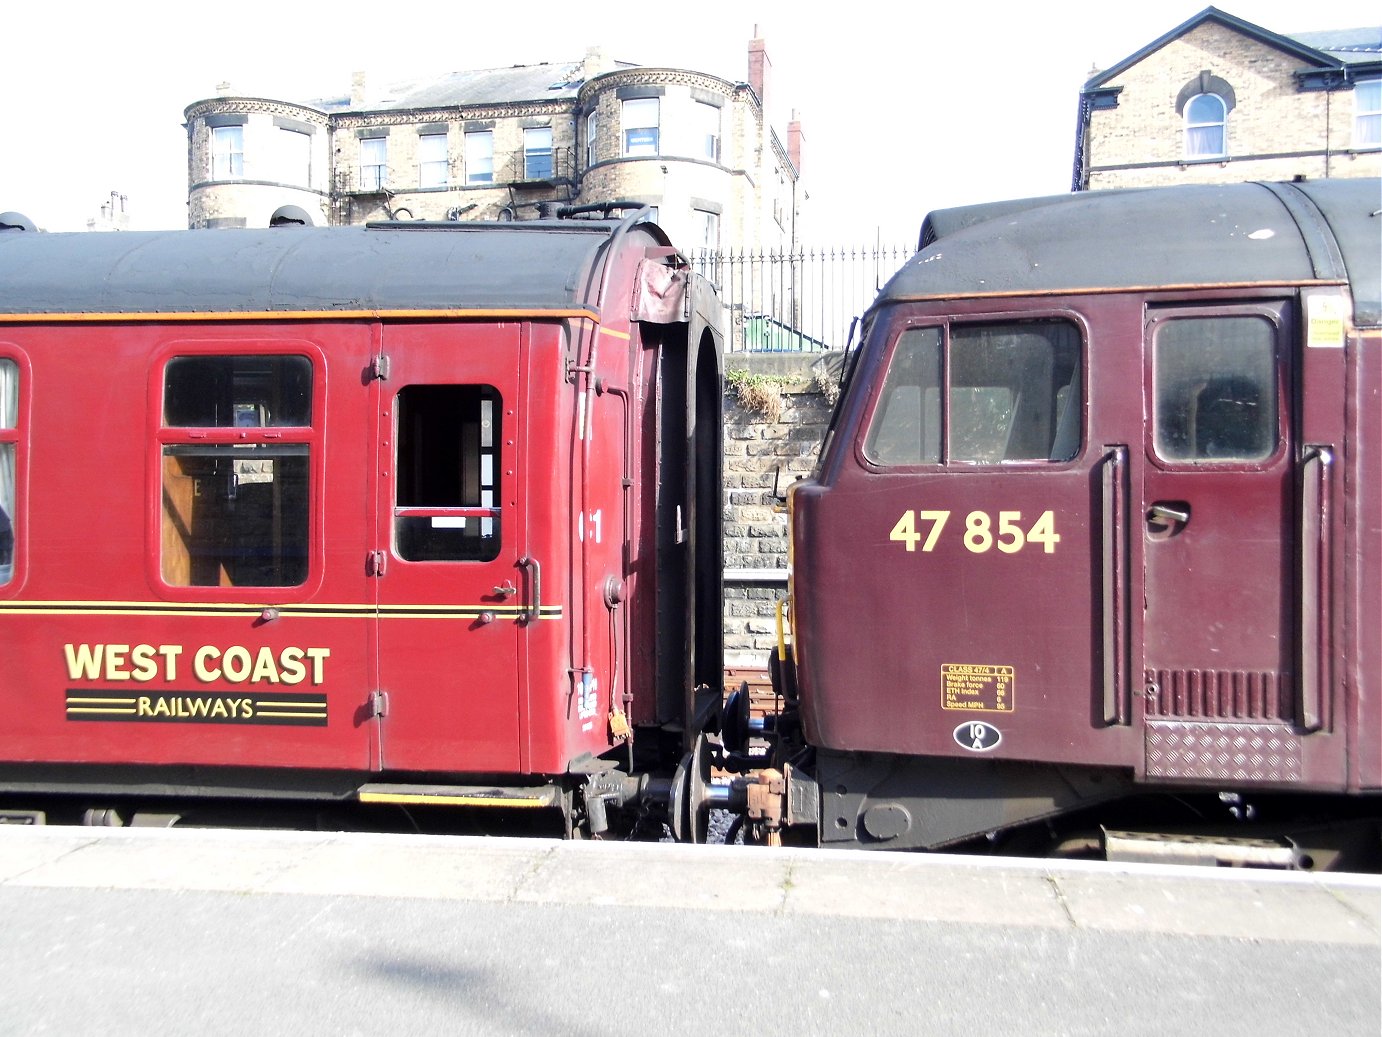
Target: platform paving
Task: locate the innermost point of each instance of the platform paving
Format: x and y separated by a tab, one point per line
125	931
1244	904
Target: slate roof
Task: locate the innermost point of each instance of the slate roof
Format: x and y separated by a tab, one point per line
1349	46
1325	50
547	81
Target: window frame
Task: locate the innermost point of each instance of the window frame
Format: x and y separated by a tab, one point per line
707	229
709	135
292	167
628	126
378	176
412	398
433	172
898	330
532	156
228	162
474	176
592	127
1276	314
162	435
1192	127
15	438
1367	122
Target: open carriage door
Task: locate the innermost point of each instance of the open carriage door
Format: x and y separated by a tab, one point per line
1231	687
455	588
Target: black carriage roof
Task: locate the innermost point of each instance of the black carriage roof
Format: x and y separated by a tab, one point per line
540	265
1231	234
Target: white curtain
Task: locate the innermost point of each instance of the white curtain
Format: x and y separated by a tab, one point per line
9	414
9	393
1206	116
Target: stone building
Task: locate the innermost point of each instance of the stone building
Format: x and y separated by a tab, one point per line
508	144
1219	99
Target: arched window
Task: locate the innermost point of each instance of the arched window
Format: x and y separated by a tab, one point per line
1206	116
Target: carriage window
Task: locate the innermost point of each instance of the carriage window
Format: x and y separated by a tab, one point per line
446	505
1216	389
1012	393
1012	386
907	425
235	494
238	391
9	419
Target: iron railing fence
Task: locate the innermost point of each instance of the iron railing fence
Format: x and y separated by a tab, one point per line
801	300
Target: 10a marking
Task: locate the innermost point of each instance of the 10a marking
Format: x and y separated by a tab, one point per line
979	534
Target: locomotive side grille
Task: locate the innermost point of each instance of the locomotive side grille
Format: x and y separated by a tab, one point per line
1219	694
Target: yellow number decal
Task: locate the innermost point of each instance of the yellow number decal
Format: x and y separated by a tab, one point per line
906	530
977	536
938	523
1043	532
1008	527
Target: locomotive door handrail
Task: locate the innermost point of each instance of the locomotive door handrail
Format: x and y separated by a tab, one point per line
1314	583
1114	475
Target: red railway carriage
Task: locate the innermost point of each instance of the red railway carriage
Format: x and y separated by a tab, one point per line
406	513
1100	514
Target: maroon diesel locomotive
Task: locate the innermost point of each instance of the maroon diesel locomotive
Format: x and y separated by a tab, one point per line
427	517
1099	522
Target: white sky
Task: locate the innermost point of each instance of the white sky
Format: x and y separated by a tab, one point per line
901	112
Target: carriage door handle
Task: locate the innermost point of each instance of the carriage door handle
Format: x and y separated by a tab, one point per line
534	608
1169	513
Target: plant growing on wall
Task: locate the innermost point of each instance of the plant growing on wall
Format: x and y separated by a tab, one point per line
759	394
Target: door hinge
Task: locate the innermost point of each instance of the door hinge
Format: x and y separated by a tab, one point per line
379	704
375	563
379	367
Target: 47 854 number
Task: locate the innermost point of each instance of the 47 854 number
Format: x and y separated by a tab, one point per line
1009	534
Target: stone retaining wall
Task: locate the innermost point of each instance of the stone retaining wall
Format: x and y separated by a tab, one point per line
759	451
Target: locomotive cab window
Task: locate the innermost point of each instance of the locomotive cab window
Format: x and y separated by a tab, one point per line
1215	383
235	470
9	420
980	394
447	491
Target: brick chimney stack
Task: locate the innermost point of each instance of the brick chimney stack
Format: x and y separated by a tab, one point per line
760	68
794	142
595	63
357	88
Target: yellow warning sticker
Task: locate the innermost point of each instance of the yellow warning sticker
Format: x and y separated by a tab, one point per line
1324	322
977	686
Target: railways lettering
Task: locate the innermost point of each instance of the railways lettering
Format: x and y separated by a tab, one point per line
1089	562
236	664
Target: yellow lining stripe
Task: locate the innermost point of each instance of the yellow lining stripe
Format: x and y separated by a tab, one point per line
1114	290
450	801
299	315
238	610
314	702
